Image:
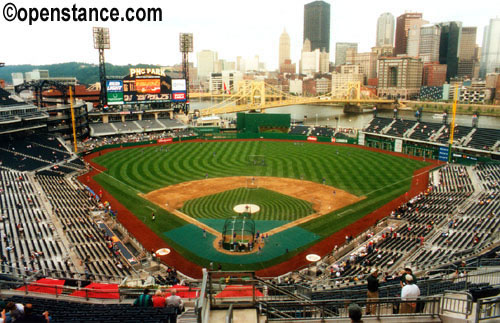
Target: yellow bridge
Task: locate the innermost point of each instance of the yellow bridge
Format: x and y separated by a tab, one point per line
257	95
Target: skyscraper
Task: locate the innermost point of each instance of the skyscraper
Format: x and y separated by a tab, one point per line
207	61
413	40
385	30
467	52
317	25
403	24
448	46
429	43
284	50
341	51
490	53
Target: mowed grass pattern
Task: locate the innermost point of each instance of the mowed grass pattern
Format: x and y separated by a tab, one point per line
377	176
273	205
357	171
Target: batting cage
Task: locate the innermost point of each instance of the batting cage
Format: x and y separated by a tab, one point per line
239	233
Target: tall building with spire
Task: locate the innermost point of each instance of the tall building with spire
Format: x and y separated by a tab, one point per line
385	30
317	25
284	49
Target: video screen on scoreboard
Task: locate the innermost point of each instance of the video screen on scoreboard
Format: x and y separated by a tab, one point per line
149	86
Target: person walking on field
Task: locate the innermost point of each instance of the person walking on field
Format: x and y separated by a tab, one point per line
372	293
153	217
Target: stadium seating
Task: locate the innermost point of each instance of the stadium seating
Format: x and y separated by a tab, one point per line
489	175
150	125
378	124
72	208
66	311
484	138
6	100
425	130
127	127
31	153
29	240
400	127
322	131
101	129
460	133
299	130
478	138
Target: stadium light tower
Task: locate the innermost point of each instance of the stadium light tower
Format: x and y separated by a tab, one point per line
186	47
101	42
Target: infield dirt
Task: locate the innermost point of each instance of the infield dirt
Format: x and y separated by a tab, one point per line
324	198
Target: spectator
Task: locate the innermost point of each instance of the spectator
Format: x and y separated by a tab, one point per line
13	311
407	271
30	317
144	300
355	313
158	299
175	302
372	292
409	292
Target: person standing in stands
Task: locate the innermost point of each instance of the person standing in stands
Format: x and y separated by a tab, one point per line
372	293
144	300
410	292
158	299
407	271
174	302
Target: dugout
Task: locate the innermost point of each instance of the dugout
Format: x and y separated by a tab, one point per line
262	122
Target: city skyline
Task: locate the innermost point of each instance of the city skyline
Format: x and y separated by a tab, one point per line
243	29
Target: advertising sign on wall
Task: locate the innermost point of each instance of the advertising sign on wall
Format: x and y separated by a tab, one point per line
114	90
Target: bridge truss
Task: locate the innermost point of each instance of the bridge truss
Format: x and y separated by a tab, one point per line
259	96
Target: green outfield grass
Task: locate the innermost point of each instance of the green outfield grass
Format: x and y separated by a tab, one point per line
273	206
377	176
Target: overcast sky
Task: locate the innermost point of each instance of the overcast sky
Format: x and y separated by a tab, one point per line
230	27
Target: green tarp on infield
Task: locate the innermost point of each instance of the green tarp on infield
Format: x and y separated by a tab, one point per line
260	225
191	238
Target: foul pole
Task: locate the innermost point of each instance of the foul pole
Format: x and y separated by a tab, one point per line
73	117
452	128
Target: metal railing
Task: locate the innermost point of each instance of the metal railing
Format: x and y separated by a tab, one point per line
229	314
202	304
338	309
488	308
457	302
116	294
23	274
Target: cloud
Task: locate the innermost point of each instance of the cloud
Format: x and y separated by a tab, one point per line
232	28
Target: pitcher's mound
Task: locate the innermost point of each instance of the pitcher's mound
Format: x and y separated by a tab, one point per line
246	208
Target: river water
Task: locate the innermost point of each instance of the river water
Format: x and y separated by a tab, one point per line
325	116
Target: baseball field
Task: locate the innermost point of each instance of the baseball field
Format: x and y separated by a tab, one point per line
305	191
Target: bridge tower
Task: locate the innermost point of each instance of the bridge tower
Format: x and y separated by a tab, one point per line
258	94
